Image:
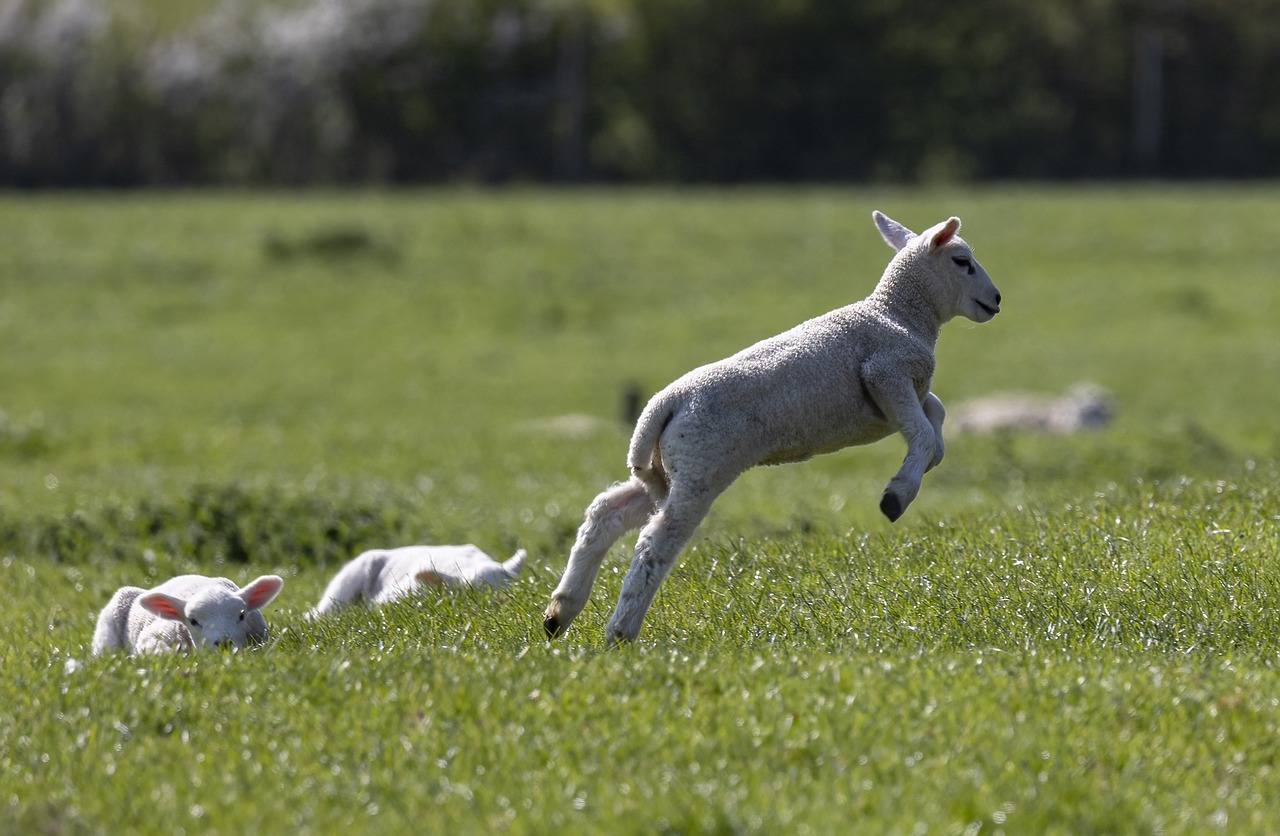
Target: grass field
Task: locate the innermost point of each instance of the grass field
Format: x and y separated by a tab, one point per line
1063	634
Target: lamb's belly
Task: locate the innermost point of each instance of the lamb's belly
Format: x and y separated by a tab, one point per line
799	449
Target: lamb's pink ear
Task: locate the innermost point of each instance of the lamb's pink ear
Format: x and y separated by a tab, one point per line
259	593
429	578
165	606
894	234
943	232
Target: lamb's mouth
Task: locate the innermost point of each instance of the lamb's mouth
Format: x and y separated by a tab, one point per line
989	310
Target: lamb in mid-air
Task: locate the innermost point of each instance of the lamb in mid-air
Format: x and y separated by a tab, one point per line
381	575
185	613
852	376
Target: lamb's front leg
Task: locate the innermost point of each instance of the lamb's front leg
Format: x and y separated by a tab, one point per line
161	636
897	399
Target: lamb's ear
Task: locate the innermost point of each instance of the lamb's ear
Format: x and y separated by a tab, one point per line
895	234
165	606
259	593
429	578
943	232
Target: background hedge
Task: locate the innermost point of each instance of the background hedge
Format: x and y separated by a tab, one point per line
100	93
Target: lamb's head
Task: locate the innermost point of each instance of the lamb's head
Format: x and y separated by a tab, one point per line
216	615
955	277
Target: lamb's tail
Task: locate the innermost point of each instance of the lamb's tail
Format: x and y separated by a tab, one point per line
512	564
644	457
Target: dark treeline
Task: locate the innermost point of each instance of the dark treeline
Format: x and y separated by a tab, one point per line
419	91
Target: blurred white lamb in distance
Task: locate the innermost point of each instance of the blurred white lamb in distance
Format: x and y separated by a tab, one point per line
381	575
851	376
1085	406
188	612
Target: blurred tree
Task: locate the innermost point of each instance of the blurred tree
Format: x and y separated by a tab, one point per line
410	91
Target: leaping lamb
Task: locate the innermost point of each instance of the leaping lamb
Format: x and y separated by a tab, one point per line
852	376
381	575
188	612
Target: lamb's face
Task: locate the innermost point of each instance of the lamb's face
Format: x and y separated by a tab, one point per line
975	295
953	273
216	618
217	615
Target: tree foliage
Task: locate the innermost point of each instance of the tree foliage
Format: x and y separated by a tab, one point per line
414	91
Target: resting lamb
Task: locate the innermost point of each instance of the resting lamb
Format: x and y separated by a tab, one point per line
188	612
381	575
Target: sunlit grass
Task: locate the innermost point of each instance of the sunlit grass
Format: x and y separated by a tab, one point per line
1064	634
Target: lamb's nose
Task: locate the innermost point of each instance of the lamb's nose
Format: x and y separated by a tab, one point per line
997	297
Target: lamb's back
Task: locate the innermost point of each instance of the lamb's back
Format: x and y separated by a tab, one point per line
465	564
799	393
111	632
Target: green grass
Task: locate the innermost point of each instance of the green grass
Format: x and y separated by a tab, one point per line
1062	635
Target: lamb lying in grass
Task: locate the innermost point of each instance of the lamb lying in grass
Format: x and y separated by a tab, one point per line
185	613
381	575
1085	406
851	376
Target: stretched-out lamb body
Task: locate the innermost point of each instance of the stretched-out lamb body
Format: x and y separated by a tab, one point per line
185	613
852	376
381	575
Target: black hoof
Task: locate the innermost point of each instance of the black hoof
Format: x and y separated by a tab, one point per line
552	625
891	506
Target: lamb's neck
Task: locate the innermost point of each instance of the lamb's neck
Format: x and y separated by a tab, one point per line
906	301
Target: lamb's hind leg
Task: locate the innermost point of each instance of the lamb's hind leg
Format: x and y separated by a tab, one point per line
935	413
621	508
657	548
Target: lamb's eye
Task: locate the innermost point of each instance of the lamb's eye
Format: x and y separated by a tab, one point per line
961	261
194	623
242	615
